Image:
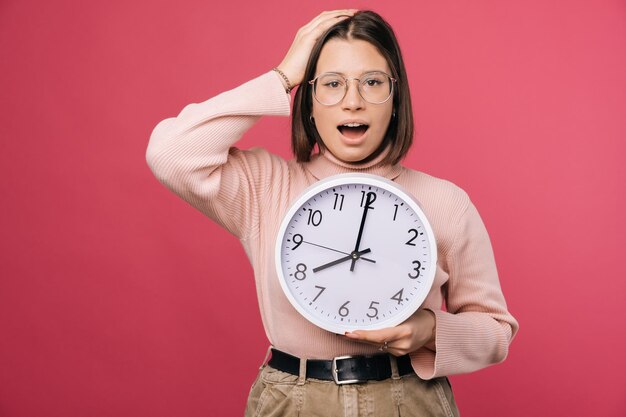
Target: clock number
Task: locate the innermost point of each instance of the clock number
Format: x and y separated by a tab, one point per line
410	242
372	307
300	272
343	310
371	197
337	198
297	239
398	296
315	217
322	289
395	213
416	269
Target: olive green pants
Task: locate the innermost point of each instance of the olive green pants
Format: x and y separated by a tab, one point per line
277	394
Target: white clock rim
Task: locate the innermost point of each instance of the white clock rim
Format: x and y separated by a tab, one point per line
371	180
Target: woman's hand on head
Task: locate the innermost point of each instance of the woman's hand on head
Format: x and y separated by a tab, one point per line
294	63
415	332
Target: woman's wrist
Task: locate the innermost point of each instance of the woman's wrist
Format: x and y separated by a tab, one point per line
284	79
432	342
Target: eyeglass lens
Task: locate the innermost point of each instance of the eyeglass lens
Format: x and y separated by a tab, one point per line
374	87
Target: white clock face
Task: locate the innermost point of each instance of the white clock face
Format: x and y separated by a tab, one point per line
355	252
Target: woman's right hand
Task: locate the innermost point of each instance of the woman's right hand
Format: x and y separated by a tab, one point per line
294	63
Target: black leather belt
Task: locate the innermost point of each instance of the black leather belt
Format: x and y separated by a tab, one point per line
343	369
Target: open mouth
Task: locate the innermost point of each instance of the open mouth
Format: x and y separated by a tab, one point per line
353	130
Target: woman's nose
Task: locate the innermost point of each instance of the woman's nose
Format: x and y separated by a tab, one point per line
352	99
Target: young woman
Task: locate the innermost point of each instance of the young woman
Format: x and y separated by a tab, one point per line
351	113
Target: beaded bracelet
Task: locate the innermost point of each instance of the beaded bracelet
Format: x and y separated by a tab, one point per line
289	87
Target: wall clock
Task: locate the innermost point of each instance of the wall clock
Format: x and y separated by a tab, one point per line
355	251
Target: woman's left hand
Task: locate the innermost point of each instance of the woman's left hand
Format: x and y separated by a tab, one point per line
417	331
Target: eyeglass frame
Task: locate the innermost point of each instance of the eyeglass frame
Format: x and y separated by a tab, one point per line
345	90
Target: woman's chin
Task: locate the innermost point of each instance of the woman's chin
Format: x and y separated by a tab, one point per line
351	155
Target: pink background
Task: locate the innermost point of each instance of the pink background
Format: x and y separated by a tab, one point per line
119	299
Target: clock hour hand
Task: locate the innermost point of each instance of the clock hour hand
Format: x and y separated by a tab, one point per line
368	201
353	255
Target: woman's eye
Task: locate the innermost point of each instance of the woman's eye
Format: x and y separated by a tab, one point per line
332	84
372	82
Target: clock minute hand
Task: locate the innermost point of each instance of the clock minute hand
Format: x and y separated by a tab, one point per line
353	256
368	201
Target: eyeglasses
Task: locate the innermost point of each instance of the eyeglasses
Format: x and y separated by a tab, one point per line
330	88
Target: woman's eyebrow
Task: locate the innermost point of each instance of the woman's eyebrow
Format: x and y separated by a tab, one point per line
343	74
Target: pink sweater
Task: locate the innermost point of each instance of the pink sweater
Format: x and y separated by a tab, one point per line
249	191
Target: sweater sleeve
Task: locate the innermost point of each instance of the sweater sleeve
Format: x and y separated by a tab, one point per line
193	154
477	328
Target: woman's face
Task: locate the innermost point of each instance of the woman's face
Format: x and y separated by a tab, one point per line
352	59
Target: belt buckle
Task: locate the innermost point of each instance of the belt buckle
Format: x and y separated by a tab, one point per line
335	372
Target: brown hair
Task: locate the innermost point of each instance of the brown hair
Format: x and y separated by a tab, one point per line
370	27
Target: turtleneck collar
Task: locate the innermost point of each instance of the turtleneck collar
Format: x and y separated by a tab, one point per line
326	164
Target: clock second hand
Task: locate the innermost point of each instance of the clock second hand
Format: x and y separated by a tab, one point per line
335	250
355	255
